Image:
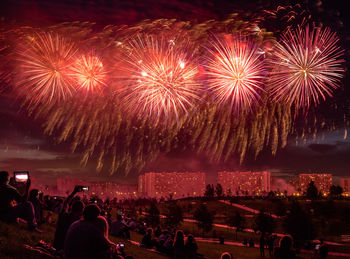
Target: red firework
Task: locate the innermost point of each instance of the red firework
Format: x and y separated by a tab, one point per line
163	81
44	62
89	73
306	67
235	72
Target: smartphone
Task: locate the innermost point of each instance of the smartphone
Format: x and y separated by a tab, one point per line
82	188
317	246
21	176
121	245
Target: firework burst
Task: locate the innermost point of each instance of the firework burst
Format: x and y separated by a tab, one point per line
235	72
44	61
306	67
163	81
89	73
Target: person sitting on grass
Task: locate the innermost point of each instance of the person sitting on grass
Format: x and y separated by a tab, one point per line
87	238
37	205
67	218
119	229
13	206
226	255
161	241
168	244
147	240
157	232
285	249
179	245
191	247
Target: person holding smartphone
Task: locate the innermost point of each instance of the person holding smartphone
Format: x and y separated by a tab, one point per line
70	212
14	206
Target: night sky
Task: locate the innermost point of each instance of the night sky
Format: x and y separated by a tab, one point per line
23	146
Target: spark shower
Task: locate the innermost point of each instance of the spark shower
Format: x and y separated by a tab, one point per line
124	95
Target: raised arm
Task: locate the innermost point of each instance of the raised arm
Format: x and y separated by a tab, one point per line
67	201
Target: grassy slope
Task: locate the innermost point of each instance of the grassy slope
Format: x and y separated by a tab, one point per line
12	238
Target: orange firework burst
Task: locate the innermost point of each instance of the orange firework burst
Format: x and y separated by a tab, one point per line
89	73
235	72
163	80
43	67
306	66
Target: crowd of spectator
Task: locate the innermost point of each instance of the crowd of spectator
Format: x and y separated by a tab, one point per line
83	226
82	229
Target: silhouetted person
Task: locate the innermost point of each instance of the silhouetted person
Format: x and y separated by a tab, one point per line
179	245
285	251
270	242
87	238
37	205
108	217
191	247
161	241
262	245
158	231
245	242
13	205
67	218
323	250
251	242
147	240
131	224
168	244
118	228
226	255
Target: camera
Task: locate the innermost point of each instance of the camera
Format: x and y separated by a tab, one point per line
21	176
83	188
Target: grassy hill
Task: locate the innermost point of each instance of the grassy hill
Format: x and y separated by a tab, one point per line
14	236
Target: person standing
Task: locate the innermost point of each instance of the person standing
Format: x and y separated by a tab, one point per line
262	245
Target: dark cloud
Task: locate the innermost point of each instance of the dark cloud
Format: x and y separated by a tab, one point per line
322	148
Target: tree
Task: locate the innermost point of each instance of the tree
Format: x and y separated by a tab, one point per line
236	220
335	191
218	190
298	223
264	223
152	217
204	218
229	192
173	215
311	191
209	191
